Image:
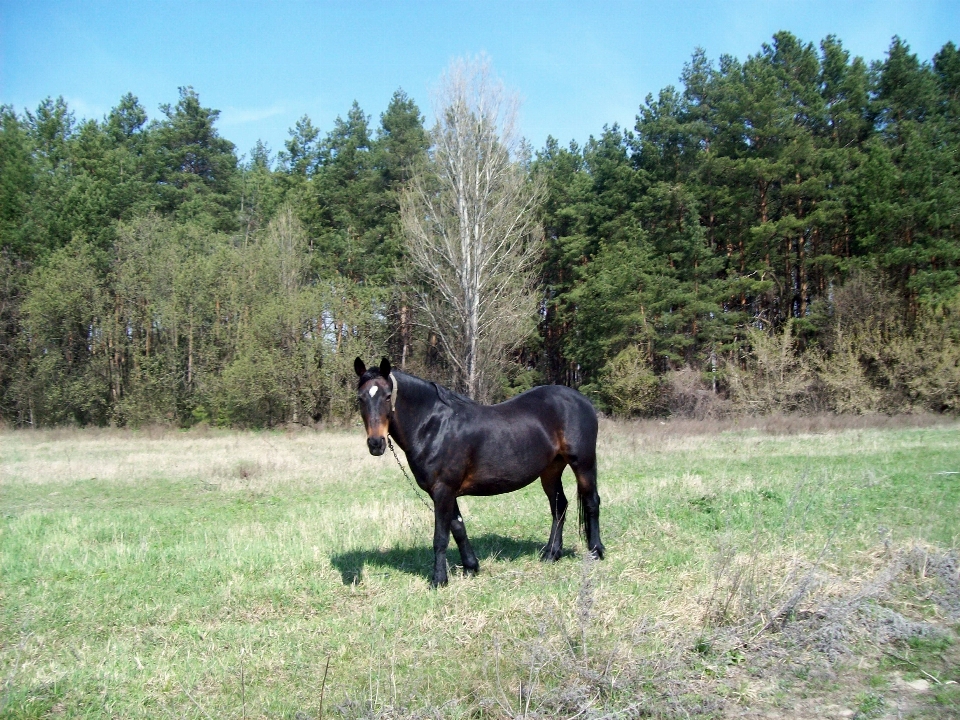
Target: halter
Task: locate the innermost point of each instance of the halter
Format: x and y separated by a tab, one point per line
393	407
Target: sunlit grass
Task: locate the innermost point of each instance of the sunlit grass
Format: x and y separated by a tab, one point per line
170	574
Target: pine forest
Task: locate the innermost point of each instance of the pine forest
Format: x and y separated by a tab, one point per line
775	234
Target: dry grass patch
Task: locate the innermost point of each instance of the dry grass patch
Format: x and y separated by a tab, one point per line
250	461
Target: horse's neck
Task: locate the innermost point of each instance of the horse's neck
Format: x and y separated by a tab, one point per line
416	402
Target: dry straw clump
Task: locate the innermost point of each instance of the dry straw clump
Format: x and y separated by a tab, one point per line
765	618
228	460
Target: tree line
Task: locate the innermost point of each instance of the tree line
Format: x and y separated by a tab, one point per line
775	234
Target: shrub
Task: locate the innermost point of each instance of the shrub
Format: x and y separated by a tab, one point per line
772	376
628	386
869	358
922	368
687	395
845	384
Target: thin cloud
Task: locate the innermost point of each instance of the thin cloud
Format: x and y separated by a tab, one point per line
243	116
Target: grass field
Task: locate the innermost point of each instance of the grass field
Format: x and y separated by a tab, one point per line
785	571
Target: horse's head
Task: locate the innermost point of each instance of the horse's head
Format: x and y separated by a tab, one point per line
373	393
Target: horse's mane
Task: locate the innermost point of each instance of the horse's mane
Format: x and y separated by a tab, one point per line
447	396
450	398
368	375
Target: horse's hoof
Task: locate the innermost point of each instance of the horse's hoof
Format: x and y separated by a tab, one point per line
550	556
471	571
597	552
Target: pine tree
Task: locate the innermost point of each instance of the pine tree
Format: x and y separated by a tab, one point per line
197	173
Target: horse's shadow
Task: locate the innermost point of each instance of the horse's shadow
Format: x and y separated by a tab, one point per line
418	560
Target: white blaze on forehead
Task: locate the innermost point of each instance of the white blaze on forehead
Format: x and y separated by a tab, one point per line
373	390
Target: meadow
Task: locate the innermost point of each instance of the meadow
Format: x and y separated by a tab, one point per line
789	568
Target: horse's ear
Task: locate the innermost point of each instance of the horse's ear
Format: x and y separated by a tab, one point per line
385	367
359	367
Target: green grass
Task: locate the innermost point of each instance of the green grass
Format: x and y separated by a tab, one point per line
143	575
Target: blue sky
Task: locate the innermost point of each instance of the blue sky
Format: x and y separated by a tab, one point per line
577	65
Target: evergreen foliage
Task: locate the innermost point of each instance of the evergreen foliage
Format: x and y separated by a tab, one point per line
149	274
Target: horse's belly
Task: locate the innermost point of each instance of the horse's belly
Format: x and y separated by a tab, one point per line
509	472
492	485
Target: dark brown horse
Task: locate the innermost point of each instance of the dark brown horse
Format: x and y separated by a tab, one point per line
457	447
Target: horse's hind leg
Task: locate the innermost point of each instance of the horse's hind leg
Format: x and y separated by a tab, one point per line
589	499
553	487
469	558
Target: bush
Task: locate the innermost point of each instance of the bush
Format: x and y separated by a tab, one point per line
922	369
153	393
687	395
628	386
772	376
869	358
845	384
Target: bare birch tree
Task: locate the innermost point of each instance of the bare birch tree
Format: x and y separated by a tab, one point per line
469	220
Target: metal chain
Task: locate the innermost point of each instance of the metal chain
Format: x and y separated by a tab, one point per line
409	480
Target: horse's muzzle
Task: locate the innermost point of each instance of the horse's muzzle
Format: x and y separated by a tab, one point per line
377	445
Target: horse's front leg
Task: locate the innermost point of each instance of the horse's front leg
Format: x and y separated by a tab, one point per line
444	513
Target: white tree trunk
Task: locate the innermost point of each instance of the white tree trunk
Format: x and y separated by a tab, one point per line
470	227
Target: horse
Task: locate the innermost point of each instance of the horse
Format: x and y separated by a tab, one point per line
456	447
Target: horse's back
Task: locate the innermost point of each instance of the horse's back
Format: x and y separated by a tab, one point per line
565	413
569	403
